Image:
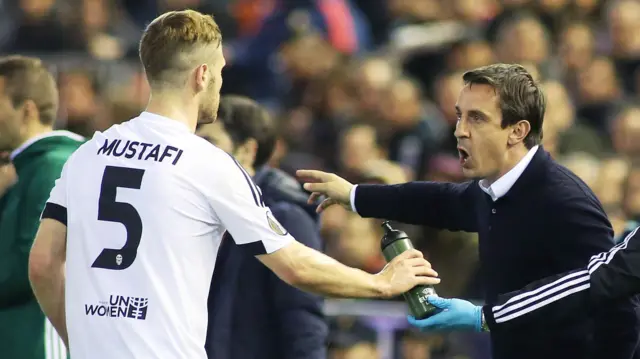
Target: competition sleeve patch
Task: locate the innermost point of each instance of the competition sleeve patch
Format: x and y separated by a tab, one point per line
275	225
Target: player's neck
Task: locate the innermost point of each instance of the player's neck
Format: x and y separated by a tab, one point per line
35	130
168	106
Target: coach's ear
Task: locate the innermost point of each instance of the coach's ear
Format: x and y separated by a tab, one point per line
519	132
202	77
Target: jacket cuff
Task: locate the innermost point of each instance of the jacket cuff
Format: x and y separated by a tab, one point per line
488	317
352	198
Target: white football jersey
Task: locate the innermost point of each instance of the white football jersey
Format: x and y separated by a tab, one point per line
146	204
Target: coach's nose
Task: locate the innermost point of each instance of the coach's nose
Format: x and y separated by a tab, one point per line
462	129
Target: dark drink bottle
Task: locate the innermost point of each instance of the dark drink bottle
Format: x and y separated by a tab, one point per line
393	243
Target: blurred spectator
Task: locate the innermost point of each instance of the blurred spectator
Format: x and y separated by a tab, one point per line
623	20
576	48
78	101
598	92
469	54
523	39
562	132
584	166
626	132
611	182
359	244
631	200
352	339
372	77
412	132
359	145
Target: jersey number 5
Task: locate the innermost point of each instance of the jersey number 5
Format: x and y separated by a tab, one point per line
120	212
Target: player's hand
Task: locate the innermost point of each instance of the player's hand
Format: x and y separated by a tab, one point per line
335	188
405	271
453	315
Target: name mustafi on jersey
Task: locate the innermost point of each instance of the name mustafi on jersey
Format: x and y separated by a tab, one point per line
131	149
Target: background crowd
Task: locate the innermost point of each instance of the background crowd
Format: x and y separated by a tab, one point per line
366	89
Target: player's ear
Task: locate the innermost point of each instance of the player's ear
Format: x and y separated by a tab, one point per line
518	132
202	74
30	111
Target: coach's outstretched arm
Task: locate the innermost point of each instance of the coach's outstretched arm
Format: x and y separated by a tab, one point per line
439	205
609	276
237	201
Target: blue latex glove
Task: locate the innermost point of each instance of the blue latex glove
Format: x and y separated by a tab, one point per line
453	315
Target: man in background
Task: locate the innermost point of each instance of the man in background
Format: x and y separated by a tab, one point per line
28	107
252	312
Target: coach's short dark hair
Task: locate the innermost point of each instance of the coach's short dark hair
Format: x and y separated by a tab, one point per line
520	96
244	119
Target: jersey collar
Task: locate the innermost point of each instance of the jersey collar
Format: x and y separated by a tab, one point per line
146	115
35	139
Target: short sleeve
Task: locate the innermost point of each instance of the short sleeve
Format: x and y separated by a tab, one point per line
56	206
238	203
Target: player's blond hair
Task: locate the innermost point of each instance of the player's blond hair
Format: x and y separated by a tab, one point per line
176	42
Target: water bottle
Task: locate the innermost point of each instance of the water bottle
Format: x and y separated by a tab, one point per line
393	243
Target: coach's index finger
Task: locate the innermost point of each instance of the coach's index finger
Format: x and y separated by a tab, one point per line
317	188
314	176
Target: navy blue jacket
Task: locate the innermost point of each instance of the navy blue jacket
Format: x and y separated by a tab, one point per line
252	313
549	222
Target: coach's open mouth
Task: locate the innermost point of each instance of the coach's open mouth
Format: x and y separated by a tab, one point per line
463	155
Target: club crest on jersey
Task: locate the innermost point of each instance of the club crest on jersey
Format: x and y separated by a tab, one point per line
275	225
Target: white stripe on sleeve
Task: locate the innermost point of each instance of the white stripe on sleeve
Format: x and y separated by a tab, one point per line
543	303
556	288
603	258
524	303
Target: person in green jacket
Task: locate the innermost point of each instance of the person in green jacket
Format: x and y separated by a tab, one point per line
28	108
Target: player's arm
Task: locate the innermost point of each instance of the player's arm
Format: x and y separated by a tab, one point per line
46	272
48	257
609	277
238	203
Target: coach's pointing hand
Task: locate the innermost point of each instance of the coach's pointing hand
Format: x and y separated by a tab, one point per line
336	188
405	271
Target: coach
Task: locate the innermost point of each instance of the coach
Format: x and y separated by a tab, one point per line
534	217
254	314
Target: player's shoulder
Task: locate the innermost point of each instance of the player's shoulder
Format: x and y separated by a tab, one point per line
206	153
209	164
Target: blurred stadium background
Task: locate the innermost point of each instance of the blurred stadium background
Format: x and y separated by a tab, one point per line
367	88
